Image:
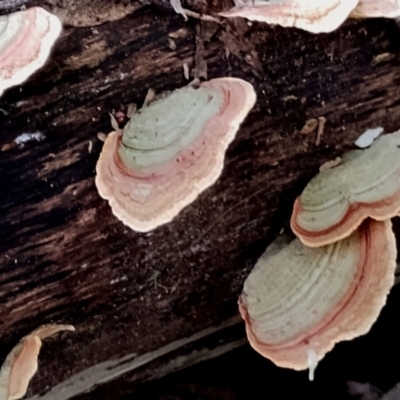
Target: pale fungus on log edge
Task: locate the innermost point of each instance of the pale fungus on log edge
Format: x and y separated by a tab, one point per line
336	201
26	39
377	9
301	301
170	151
21	363
311	15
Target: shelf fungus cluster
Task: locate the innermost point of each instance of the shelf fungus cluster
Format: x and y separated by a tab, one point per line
26	39
171	150
331	282
310	15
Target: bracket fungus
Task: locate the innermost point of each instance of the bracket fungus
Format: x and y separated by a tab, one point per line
171	150
301	301
377	9
21	364
336	201
26	38
310	15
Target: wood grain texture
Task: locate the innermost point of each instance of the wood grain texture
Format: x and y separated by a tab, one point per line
64	258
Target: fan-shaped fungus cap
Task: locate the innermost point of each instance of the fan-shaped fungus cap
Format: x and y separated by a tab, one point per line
303	300
310	15
21	364
26	38
377	9
336	201
170	151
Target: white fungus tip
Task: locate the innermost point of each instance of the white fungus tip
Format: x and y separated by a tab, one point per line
312	363
28	137
368	137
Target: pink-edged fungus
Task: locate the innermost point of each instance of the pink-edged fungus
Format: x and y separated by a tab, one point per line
301	301
337	200
310	15
21	363
170	151
26	38
377	9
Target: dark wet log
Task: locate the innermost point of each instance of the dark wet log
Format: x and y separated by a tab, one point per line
66	259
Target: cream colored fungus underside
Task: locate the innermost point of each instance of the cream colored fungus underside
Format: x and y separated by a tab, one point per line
313	16
377	8
10	25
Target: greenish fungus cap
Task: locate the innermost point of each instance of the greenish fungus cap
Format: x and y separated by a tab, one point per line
336	201
171	150
301	301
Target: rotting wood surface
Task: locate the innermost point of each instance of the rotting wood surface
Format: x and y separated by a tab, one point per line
66	259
